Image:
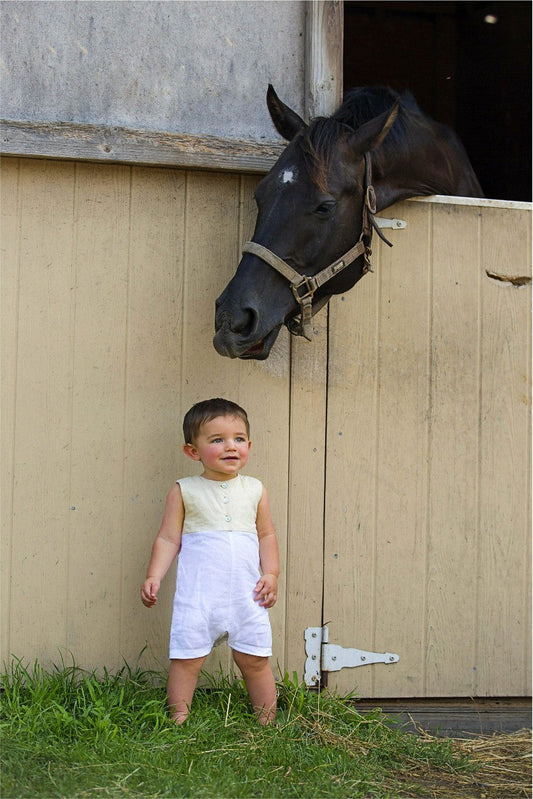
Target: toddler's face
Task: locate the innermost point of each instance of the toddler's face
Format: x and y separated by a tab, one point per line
222	446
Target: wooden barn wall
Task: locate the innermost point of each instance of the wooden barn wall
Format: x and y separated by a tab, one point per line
395	447
110	275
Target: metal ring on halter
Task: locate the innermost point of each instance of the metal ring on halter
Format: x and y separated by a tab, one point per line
371	199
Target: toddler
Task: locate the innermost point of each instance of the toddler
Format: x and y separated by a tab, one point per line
220	524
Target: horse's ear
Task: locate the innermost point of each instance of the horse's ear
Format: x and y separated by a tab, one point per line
286	121
370	135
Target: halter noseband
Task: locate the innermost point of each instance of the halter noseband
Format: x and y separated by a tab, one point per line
304	286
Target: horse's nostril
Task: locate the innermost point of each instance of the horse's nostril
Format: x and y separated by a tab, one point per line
222	320
244	322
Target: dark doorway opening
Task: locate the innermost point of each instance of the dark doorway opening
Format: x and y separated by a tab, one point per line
467	63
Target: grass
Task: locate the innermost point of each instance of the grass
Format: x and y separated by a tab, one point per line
70	733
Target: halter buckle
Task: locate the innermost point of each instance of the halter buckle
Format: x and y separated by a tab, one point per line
308	284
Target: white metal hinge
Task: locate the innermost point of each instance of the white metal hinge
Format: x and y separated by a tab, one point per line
323	656
396	224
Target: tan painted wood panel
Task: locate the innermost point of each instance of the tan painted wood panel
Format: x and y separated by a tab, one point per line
451	657
305	522
40	547
350	514
99	330
401	522
153	376
9	248
504	631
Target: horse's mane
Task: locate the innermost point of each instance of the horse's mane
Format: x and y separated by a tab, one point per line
361	105
365	103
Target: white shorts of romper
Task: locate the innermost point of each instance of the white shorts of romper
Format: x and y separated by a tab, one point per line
217	574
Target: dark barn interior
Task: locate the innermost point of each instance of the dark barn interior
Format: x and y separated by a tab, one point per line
467	63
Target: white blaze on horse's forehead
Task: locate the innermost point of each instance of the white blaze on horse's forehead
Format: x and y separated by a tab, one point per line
289	175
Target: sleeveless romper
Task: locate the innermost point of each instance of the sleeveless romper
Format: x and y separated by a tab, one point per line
218	568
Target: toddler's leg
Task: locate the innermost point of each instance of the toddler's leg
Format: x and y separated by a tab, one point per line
260	684
182	679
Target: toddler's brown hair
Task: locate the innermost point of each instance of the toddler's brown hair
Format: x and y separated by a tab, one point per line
206	410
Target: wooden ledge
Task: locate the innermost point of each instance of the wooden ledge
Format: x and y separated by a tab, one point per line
80	142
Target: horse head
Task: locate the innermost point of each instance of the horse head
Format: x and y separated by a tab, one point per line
310	211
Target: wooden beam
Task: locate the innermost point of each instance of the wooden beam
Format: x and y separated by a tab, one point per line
82	142
323	57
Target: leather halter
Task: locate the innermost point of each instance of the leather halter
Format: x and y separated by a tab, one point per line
304	286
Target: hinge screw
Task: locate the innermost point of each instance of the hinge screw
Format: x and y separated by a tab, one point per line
363	659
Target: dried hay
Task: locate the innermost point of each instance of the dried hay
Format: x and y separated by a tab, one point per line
494	766
501	769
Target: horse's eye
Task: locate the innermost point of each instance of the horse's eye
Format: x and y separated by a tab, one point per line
325	209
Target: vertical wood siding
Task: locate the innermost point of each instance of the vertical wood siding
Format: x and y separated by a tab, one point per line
395	447
110	275
427	542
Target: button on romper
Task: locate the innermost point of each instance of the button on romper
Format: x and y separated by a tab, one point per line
218	568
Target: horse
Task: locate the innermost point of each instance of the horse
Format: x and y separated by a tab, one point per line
316	209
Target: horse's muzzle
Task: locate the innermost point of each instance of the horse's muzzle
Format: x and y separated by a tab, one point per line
231	345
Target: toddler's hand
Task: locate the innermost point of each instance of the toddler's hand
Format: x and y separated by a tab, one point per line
266	590
149	591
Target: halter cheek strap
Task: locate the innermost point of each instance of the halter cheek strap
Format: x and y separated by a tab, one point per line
304	286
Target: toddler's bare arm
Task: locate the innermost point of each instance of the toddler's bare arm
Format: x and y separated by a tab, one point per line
165	548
